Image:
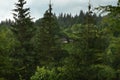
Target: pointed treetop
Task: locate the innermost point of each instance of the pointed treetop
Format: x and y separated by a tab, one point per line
50	7
89	6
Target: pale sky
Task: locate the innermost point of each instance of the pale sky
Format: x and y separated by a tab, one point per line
38	7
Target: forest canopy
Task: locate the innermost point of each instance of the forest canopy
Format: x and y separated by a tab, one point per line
64	47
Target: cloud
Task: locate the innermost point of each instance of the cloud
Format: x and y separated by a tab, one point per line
38	7
5	9
67	6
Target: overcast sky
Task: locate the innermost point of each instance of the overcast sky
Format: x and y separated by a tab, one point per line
38	7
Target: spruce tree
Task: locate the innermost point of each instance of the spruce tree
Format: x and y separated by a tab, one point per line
23	22
47	41
23	30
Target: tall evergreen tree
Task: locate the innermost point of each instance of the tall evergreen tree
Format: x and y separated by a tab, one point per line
23	24
23	30
47	41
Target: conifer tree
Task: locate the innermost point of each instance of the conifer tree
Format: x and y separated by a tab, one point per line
23	30
46	40
23	22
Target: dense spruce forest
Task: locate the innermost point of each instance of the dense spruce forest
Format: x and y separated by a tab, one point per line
64	47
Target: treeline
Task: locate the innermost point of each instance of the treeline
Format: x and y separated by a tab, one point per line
81	47
66	20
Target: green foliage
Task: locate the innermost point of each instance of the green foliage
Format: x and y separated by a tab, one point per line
111	25
102	72
23	31
59	73
46	42
44	74
23	26
7	40
63	48
2	79
67	20
88	47
86	39
113	53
